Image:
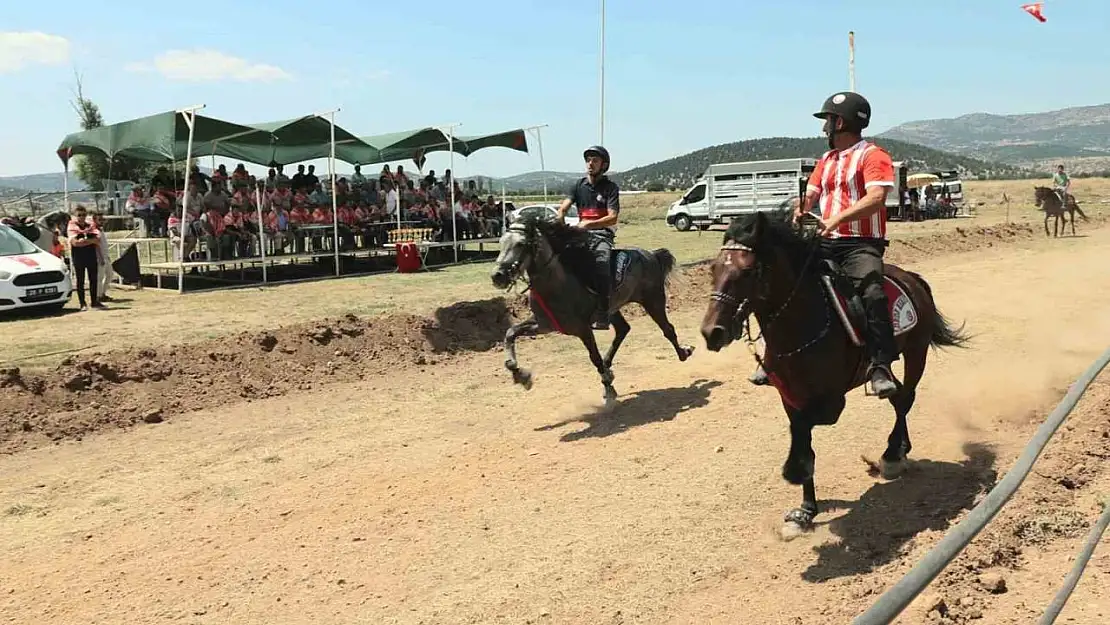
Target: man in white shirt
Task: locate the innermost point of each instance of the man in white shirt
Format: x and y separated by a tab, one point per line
103	260
391	200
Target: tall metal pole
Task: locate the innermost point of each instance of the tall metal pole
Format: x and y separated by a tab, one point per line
601	81
454	217
543	167
334	196
190	115
851	61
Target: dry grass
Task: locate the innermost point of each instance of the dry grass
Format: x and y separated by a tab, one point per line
159	318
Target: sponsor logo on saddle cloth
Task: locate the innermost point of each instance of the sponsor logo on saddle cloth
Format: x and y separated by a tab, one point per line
902	313
623	260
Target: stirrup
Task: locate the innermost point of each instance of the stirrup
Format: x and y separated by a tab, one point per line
869	387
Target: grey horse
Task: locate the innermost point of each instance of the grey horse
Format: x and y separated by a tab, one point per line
555	260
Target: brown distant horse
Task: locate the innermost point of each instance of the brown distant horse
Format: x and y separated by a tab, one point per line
1045	199
811	324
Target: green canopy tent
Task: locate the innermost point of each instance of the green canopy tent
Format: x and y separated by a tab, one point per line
415	144
291	141
162	137
287	141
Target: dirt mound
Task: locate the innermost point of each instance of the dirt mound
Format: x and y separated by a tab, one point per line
117	389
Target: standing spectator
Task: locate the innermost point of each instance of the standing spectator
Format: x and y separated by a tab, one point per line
84	239
103	260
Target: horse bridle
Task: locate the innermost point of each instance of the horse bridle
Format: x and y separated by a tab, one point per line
532	245
741	311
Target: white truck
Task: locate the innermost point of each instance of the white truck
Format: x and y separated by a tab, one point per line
728	190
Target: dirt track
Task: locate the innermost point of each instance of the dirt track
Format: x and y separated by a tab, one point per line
392	475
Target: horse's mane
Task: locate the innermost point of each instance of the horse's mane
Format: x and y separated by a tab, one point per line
771	233
571	245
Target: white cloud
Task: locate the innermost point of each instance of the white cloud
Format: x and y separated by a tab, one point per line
22	49
209	66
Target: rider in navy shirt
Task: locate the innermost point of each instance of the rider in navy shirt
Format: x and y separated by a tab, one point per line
598	201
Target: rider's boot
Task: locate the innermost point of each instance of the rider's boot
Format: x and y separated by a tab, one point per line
759	377
601	315
882	348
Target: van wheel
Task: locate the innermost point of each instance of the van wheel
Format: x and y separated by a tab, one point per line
682	223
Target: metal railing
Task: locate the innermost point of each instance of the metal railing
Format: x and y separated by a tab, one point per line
892	602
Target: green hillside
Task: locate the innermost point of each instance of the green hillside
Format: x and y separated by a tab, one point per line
681	171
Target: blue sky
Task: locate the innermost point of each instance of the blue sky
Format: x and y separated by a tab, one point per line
679	75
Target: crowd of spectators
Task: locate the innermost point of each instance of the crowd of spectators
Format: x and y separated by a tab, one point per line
222	209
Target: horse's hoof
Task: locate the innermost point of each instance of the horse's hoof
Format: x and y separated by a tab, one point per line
685	352
610	397
791	530
523	377
892	470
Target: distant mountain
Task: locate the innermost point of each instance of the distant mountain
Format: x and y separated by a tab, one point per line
1079	137
42	182
529	182
680	172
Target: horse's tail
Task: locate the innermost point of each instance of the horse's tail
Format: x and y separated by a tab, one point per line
944	335
1080	211
666	261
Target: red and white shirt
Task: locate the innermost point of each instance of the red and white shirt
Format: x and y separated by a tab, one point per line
842	177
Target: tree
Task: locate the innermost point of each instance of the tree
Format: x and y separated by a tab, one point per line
94	169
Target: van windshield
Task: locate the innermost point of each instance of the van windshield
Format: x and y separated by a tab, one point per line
696	194
13	244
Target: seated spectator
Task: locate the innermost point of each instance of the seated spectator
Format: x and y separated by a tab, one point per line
318	197
298	218
141	206
237	232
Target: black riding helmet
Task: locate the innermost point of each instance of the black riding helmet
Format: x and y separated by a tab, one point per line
853	108
598	151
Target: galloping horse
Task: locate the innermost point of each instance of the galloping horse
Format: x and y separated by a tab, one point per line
812	324
556	261
1045	199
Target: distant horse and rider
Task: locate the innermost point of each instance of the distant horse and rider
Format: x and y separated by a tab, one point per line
1049	201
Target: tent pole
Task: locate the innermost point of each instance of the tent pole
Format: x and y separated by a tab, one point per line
543	168
189	114
334	195
65	186
454	215
261	230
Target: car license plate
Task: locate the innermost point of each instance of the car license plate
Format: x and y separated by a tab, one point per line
42	290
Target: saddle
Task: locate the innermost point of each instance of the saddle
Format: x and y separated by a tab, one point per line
848	303
619	261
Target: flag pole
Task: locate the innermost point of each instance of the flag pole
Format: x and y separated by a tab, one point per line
851	61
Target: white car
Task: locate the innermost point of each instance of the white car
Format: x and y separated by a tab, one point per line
29	276
550	210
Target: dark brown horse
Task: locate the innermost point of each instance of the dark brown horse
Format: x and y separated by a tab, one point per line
811	324
1045	199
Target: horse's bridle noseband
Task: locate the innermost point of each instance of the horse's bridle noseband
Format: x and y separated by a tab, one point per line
742	311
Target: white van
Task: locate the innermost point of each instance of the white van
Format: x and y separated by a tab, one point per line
728	190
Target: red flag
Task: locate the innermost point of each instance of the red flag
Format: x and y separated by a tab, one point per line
1035	9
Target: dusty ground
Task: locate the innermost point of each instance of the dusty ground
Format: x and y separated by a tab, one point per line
383	470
